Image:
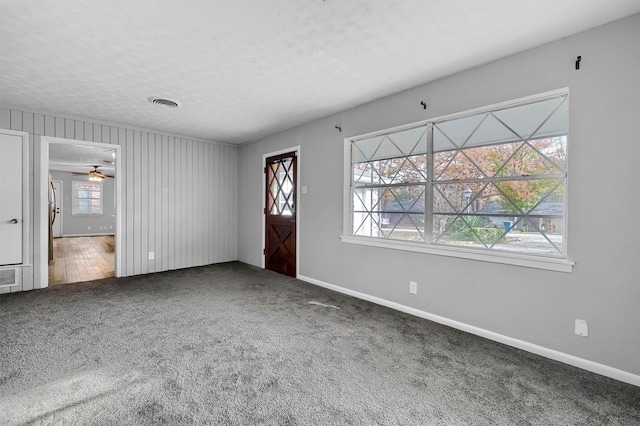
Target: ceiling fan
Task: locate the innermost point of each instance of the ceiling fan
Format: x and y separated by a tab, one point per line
94	174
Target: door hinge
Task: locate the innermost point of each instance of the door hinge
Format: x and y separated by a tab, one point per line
264	170
264	251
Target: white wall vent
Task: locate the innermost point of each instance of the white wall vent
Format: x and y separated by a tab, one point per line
9	277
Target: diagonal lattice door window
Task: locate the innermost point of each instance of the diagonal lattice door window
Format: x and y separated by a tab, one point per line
499	179
280	200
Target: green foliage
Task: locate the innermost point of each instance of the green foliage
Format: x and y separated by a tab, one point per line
477	231
473	221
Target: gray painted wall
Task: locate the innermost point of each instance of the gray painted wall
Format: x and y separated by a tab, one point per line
86	225
179	195
531	305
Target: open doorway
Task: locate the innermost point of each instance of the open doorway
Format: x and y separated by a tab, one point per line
82	207
79	208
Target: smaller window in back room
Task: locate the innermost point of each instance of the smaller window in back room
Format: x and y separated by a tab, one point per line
87	198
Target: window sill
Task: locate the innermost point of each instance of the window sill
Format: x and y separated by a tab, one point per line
550	264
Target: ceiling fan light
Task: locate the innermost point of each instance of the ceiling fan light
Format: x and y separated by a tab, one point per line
95	176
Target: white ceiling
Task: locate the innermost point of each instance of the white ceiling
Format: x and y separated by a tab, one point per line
80	158
244	69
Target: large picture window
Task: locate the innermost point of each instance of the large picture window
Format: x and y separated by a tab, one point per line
493	180
87	198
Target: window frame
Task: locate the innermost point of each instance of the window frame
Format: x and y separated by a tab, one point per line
74	197
559	263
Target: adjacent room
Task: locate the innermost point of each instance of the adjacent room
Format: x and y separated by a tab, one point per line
82	205
319	212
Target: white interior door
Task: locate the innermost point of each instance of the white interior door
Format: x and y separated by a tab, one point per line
57	223
10	199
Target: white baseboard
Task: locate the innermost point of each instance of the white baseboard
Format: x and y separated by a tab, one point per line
575	361
86	235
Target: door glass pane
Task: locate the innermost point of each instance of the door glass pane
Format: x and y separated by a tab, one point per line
281	191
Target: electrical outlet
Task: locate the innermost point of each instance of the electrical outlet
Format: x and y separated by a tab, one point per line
413	287
582	328
89	228
152	255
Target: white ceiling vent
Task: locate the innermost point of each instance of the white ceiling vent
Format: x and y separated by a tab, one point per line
163	102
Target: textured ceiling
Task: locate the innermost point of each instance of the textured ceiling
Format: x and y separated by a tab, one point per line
80	158
244	69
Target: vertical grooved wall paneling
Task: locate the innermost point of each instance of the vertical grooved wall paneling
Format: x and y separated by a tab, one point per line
49	126
70	129
144	200
171	188
177	194
165	206
78	127
124	160
59	127
97	132
193	202
251	200
151	200
16	120
127	135
5	118
139	191
184	204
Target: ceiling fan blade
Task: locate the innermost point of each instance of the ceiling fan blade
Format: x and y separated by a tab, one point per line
94	173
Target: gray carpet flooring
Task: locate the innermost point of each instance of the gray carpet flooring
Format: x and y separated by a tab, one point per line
232	344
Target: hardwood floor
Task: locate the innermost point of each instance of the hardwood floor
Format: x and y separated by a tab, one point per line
77	259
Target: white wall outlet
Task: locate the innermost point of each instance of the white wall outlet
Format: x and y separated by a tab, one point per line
152	255
89	228
413	287
582	328
303	189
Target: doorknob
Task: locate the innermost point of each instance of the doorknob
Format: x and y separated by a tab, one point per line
14	221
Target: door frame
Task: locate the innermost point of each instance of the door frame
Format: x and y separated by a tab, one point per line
41	216
298	203
59	200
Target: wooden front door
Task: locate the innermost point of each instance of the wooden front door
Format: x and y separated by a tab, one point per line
280	214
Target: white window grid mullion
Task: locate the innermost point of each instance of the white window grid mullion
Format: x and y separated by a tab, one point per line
428	202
